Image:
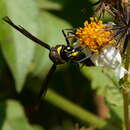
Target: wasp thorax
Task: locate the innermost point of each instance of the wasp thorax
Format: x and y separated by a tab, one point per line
55	54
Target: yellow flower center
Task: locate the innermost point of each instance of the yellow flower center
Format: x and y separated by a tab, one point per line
94	35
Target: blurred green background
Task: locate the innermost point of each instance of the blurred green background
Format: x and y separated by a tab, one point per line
24	65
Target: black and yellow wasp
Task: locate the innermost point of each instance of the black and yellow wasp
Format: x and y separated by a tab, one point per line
58	54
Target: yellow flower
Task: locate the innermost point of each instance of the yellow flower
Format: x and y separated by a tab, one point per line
94	35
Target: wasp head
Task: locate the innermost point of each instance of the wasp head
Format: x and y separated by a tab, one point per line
69	53
61	54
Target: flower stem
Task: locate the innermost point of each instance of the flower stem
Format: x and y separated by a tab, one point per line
125	91
77	111
126	110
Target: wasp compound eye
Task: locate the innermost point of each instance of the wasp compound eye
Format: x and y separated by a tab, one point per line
67	53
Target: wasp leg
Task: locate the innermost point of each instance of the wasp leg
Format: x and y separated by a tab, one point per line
71	34
44	87
85	58
26	33
67	41
72	29
66	35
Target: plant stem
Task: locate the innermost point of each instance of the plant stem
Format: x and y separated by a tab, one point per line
125	91
77	111
126	110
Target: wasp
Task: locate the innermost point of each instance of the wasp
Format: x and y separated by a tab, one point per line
59	54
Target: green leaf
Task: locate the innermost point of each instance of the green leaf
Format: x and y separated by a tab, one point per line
12	117
107	85
18	50
47	4
36	127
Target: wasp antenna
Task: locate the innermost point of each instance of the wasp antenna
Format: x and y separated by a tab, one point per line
26	33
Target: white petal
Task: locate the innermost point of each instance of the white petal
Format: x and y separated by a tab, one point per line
120	72
110	57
